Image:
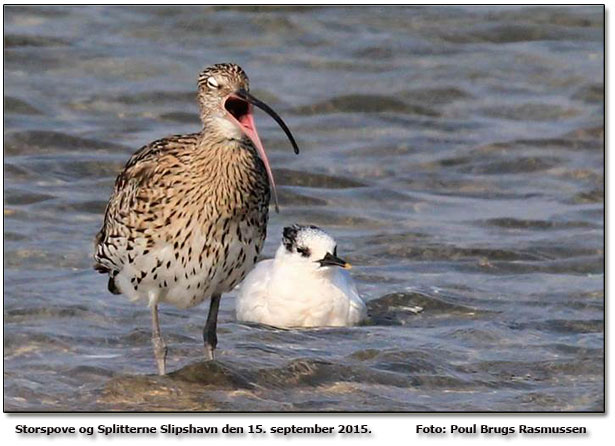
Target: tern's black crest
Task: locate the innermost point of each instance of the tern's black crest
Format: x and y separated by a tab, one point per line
289	235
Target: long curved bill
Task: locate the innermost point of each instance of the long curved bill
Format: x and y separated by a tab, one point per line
242	114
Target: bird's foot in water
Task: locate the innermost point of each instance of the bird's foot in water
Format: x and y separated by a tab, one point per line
209	352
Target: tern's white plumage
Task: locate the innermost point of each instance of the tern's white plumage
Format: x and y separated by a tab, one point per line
305	285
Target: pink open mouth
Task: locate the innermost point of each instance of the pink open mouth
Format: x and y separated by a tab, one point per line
240	111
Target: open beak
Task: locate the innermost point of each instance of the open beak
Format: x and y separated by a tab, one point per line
239	107
331	260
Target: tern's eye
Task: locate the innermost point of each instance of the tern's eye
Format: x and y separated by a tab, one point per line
335	251
212	82
305	252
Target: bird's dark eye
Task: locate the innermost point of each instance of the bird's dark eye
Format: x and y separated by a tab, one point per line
335	251
212	82
305	252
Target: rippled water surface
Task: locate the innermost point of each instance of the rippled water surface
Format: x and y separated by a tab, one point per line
455	153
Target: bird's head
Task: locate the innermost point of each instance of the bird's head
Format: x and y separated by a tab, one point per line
217	84
311	248
227	105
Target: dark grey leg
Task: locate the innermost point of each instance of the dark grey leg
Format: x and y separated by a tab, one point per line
160	349
209	331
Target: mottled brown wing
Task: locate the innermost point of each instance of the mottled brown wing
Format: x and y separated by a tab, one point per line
138	190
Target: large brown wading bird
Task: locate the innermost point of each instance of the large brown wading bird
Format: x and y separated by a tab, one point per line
188	215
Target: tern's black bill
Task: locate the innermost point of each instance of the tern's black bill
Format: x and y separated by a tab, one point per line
331	260
243	94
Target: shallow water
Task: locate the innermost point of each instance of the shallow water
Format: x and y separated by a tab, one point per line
456	153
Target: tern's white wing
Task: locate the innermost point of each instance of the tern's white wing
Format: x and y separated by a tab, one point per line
357	311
